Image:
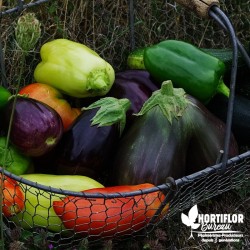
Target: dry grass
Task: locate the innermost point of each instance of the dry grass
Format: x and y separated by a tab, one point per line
105	27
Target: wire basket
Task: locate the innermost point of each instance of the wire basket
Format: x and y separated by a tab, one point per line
113	30
174	197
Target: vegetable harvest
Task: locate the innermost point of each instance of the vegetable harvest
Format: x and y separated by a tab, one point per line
83	127
188	67
100	217
74	69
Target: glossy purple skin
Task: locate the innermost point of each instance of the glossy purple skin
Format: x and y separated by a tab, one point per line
135	85
36	127
153	149
85	149
207	140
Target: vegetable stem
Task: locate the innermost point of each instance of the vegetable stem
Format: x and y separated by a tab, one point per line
111	111
223	89
172	101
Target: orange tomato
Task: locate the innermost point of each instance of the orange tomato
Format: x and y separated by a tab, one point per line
53	98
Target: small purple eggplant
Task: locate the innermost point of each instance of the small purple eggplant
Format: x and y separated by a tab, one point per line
36	128
135	85
92	140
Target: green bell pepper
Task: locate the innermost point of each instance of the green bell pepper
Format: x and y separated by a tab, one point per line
198	73
74	69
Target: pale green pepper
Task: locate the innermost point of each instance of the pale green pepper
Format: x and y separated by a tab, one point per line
74	69
38	210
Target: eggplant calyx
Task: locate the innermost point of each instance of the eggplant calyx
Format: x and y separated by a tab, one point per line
111	110
18	95
172	101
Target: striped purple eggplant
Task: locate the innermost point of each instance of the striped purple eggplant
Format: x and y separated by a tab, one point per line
36	128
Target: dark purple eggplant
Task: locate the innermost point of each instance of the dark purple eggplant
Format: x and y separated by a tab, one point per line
92	139
207	140
36	128
135	85
171	130
241	115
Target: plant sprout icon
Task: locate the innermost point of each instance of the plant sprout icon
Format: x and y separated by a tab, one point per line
190	219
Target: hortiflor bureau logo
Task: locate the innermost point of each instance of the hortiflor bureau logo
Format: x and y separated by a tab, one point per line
213	227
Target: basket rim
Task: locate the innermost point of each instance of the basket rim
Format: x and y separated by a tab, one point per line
165	188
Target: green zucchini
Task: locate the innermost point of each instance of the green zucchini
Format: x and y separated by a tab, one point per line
135	58
226	56
241	115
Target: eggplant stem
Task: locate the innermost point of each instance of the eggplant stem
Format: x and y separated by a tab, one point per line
172	101
111	111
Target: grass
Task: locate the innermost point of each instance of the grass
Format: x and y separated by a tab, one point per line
106	28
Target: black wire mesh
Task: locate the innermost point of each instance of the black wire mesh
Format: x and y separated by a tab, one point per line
113	30
118	216
108	29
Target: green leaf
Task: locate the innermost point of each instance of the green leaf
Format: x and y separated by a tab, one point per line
172	101
111	111
25	235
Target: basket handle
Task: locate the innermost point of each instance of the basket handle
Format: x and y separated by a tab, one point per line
200	7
